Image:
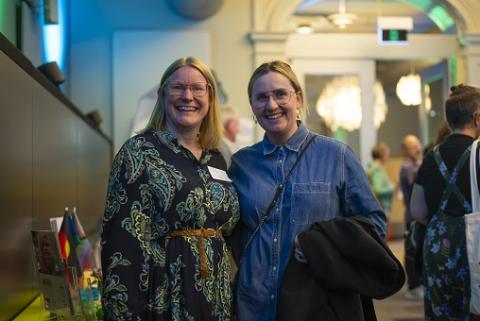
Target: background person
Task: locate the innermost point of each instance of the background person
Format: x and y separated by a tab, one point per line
443	132
380	182
412	158
327	182
443	205
169	203
231	127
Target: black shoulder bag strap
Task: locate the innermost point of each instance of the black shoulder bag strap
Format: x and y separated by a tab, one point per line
278	191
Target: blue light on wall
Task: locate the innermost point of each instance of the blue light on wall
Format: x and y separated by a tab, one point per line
54	37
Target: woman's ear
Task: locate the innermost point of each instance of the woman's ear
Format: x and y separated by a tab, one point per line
299	97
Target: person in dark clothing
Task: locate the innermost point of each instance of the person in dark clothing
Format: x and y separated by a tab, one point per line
412	157
441	197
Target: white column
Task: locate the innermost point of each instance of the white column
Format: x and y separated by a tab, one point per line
268	46
368	132
472	56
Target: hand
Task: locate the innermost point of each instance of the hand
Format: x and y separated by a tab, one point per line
298	252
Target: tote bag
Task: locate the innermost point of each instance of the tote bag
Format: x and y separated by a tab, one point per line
472	232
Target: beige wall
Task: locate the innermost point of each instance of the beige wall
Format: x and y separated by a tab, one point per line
91	72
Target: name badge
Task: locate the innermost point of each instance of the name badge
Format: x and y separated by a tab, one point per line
218	174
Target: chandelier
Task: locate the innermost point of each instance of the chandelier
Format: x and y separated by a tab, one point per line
409	90
342	19
339	104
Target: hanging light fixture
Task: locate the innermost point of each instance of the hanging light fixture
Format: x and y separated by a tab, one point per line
409	90
342	19
304	28
339	104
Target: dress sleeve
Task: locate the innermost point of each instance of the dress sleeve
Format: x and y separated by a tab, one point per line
128	236
355	193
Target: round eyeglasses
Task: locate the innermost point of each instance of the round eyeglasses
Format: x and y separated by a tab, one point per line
281	96
198	89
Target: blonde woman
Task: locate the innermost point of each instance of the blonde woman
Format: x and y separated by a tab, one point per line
169	205
314	178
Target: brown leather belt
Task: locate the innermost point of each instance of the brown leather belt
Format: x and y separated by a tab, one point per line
200	233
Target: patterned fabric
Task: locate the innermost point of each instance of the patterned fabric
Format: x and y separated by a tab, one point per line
446	272
156	186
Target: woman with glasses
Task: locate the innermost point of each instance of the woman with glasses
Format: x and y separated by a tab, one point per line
326	182
169	205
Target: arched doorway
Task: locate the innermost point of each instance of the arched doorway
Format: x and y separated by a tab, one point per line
273	40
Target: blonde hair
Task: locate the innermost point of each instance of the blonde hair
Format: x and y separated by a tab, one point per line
211	127
282	68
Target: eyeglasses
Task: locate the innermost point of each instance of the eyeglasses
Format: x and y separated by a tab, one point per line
198	89
281	97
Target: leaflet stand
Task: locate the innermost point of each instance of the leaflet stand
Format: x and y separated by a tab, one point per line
57	283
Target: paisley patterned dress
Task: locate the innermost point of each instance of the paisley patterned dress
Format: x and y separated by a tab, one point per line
157	187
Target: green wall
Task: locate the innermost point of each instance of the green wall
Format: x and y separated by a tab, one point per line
7	19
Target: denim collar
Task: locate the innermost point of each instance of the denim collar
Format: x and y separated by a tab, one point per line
293	144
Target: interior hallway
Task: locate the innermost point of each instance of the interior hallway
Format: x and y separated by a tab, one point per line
396	307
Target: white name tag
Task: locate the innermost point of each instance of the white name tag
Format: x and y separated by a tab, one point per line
218	174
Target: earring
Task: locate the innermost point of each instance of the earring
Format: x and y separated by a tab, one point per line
254	119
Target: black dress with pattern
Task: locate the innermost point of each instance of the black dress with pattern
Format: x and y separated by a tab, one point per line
156	186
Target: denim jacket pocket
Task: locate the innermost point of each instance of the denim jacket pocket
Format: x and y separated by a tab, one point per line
310	201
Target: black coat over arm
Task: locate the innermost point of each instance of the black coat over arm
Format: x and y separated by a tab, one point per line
348	265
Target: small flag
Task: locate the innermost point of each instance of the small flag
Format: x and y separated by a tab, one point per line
84	249
69	240
78	226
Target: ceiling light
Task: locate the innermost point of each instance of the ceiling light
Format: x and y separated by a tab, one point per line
340	104
409	90
304	29
342	19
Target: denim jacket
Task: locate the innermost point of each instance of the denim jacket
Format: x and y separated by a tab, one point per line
328	182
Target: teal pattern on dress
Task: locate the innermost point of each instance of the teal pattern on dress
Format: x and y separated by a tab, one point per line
446	272
157	186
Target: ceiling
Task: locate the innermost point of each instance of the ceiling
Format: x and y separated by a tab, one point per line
316	12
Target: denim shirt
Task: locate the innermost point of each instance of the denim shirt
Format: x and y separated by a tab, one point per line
328	182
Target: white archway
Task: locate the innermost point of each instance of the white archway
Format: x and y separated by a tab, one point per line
270	38
270	16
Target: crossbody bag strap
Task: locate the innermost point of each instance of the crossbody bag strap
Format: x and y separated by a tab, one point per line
278	191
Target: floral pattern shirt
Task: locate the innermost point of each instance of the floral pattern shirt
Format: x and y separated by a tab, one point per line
156	186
